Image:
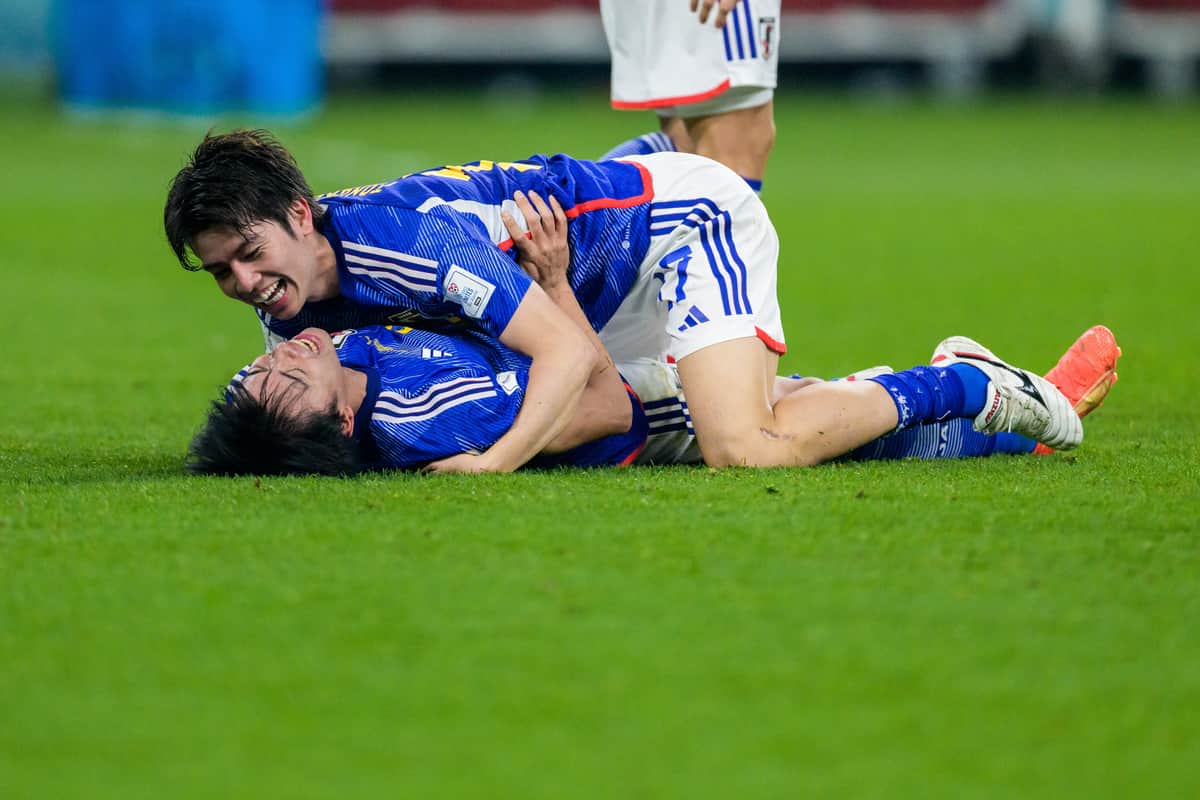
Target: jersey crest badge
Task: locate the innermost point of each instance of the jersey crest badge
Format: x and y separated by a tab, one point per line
508	382
766	33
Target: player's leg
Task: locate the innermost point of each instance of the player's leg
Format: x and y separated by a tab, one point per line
729	398
826	420
741	139
712	261
711	279
676	128
954	438
713	85
786	384
1084	374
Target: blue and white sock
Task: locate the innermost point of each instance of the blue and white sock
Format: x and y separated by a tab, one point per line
935	394
955	438
755	185
656	142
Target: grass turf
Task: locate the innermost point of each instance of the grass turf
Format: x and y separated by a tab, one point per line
1013	626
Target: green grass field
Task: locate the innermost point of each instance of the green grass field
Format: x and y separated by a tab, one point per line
1013	627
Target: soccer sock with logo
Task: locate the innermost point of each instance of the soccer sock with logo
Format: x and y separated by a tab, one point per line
656	142
933	394
954	438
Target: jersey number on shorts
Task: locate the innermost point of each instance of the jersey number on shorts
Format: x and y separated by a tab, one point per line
672	268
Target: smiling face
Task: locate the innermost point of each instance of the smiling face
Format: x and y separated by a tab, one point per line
304	375
268	266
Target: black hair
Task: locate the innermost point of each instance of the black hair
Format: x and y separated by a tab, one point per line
247	436
233	180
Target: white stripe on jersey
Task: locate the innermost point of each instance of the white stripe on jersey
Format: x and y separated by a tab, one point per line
446	405
487	213
399	269
391	266
415	261
396	404
392	273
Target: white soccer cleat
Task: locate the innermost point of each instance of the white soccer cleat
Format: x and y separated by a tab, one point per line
1018	401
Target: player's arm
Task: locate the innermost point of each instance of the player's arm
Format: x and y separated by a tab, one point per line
544	254
561	361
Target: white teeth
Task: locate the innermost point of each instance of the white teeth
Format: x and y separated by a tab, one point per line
269	296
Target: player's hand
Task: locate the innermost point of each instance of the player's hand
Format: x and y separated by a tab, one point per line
706	6
463	462
543	252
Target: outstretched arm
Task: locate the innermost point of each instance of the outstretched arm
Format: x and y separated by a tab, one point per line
545	255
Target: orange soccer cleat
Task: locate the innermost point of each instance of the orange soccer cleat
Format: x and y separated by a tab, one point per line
1086	372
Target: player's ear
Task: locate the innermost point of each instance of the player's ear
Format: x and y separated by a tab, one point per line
346	417
301	216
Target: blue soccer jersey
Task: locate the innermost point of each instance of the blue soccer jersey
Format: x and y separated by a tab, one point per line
431	395
431	248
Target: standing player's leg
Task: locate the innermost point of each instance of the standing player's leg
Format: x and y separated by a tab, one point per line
740	139
676	129
711	84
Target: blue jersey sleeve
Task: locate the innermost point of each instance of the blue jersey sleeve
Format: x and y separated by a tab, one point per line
458	411
438	262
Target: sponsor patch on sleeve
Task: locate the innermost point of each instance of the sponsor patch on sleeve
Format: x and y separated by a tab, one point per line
469	291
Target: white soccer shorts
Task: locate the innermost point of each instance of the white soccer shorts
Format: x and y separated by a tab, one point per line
671	438
664	59
709	273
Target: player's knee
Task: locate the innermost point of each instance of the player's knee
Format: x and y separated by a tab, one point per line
727	457
761	448
739	453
